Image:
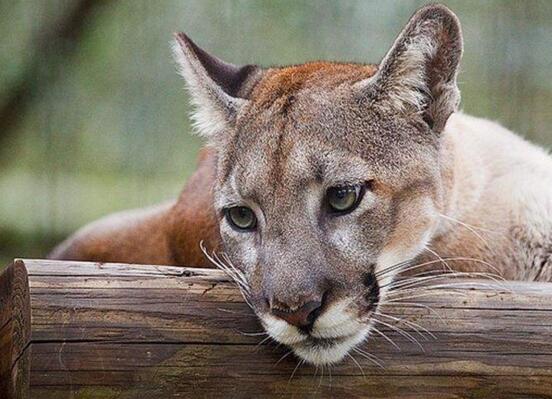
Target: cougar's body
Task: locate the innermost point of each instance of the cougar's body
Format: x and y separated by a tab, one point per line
497	202
325	182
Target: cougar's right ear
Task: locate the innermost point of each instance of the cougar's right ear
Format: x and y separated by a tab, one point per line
418	74
218	89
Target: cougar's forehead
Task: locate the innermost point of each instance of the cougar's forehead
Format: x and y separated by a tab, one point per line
280	86
288	116
288	166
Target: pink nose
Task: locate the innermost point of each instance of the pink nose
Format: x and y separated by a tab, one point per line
302	317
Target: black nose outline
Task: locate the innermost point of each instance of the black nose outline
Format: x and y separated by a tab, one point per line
303	317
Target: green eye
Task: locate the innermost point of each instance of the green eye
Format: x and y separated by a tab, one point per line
241	217
343	199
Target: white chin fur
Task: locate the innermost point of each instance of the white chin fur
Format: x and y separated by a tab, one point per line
323	355
281	331
336	323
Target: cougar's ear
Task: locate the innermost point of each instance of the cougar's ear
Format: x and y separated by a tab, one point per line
218	89
418	74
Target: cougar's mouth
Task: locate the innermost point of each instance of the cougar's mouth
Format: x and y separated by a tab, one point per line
327	343
322	351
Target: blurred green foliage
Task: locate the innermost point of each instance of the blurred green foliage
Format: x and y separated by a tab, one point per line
110	130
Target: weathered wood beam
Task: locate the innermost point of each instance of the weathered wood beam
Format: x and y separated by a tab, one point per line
15	331
127	331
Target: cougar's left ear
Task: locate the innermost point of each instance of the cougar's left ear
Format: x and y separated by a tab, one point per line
218	89
418	74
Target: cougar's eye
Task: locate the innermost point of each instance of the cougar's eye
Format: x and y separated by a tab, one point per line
241	217
343	199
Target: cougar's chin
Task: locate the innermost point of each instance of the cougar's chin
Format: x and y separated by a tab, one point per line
324	351
320	347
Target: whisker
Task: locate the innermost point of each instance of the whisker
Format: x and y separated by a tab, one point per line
435	275
321	375
262	342
283	357
401	332
299	363
243	287
386	338
413	304
245	297
468	274
427	248
397	298
454	259
426	290
455	287
238	272
393	267
215	260
372	358
467	225
414	326
233	312
357	363
493	285
458	286
248	334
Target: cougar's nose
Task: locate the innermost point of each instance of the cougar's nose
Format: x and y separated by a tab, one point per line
302	317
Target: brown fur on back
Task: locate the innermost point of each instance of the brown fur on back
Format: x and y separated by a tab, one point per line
192	218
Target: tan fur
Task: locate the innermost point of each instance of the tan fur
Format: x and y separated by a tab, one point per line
500	187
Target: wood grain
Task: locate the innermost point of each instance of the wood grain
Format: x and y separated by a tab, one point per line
15	331
129	331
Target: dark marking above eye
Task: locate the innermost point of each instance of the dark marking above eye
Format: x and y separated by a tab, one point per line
289	101
369	280
318	173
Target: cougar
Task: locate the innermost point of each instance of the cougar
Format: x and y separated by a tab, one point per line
322	183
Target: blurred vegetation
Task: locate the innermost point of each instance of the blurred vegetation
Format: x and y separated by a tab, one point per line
95	119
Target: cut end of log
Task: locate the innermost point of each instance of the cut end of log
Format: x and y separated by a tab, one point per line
15	331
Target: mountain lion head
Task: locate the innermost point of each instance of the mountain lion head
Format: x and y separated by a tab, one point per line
328	177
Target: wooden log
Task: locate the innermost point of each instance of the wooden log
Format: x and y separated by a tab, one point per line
15	332
129	331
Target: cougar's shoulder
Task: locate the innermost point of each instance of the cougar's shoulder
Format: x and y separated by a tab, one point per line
499	200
